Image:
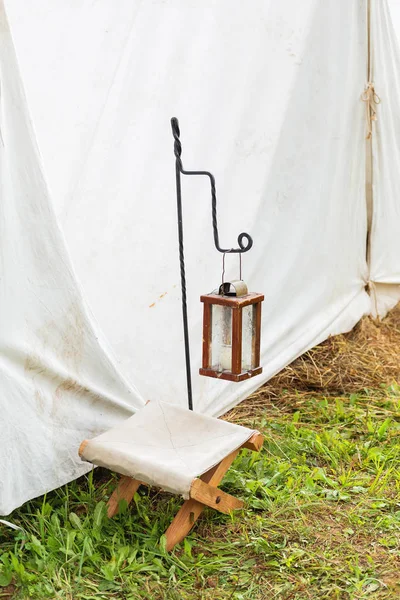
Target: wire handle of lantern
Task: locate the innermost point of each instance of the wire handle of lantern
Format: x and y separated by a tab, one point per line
223	266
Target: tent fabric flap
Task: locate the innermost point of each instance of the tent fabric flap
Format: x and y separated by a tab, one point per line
58	383
385	230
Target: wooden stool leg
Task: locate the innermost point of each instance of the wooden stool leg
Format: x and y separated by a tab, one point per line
192	509
183	522
125	490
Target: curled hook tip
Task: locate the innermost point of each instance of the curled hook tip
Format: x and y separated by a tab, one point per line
245	242
248	244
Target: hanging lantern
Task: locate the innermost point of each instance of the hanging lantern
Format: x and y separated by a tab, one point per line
231	332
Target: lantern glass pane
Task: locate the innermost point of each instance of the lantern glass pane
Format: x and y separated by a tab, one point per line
248	337
221	338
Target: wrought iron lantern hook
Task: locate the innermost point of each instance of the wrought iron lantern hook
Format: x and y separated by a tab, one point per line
244	239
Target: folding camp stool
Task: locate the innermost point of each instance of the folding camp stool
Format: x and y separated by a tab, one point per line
174	449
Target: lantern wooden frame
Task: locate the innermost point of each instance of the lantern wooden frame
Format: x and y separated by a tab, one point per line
236	303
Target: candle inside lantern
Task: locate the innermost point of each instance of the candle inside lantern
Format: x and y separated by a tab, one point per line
221	346
225	361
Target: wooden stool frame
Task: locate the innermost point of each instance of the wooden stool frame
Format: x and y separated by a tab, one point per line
204	492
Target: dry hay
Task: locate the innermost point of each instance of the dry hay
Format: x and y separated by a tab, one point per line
368	357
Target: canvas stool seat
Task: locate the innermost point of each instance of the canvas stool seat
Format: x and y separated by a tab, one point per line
165	446
177	450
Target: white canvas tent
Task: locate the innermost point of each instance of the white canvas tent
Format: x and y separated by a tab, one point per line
268	96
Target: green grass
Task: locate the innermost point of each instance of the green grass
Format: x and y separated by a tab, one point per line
322	521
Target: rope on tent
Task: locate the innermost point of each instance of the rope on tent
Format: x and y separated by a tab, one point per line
371	99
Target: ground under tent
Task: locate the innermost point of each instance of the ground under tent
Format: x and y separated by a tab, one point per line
269	99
